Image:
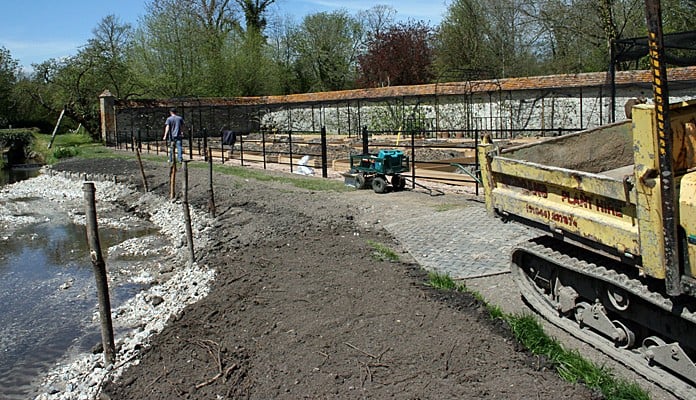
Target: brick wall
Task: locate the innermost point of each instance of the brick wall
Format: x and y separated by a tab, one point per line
518	105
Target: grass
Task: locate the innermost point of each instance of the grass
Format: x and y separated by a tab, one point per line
571	366
382	252
82	146
70	145
308	183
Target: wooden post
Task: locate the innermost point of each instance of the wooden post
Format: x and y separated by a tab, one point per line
187	214
142	170
172	180
324	161
99	267
53	136
211	196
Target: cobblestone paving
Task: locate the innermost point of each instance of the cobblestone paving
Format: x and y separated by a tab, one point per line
462	243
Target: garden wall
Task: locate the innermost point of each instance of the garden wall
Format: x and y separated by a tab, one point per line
531	106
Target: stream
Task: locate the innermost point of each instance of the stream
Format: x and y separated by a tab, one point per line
47	289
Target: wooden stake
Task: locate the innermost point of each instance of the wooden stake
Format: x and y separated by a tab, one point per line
172	180
142	170
211	196
99	267
187	214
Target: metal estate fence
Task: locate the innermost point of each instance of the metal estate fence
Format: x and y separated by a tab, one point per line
444	156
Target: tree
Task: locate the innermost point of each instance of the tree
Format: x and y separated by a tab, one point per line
461	45
487	39
577	36
410	44
326	46
9	71
184	48
282	55
254	13
376	19
73	84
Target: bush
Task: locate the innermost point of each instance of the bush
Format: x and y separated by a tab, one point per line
18	142
65	152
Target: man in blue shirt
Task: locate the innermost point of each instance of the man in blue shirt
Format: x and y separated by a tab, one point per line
174	132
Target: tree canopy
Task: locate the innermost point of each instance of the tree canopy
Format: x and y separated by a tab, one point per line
223	48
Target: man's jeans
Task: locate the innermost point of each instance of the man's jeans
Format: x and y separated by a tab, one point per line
179	149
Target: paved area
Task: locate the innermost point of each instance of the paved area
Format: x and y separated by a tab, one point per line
461	243
474	248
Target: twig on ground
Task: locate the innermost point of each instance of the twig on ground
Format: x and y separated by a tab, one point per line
362	351
382	353
405	379
154	381
239	277
449	356
422	319
216	377
120	365
326	357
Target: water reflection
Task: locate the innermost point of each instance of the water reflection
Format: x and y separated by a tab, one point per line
47	299
12	175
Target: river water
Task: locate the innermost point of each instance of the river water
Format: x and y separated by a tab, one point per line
47	292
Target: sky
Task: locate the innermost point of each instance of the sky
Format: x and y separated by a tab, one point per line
37	30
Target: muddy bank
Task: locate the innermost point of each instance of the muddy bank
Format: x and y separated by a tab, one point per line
301	306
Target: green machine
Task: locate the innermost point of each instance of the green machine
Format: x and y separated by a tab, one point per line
373	169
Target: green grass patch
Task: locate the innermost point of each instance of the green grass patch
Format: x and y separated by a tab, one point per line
382	252
308	183
571	366
81	145
69	145
442	281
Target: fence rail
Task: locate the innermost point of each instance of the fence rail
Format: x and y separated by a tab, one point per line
443	156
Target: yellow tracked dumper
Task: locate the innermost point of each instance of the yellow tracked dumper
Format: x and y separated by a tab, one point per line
617	265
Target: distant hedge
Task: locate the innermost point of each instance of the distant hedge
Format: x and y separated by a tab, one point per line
16	142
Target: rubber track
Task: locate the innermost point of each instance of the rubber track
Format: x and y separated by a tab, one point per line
552	250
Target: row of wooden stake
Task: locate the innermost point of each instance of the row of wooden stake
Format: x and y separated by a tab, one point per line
95	252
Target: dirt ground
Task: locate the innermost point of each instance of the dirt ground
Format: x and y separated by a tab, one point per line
301	308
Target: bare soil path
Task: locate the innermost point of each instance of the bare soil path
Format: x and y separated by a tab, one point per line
301	308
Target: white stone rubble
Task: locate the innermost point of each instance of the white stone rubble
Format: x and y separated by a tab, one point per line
81	376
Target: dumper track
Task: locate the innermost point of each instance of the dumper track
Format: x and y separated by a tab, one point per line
545	250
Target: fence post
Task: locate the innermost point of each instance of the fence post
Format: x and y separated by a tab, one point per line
476	160
324	171
290	144
205	144
263	147
99	267
241	150
172	179
187	213
413	158
365	145
222	145
190	144
142	170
